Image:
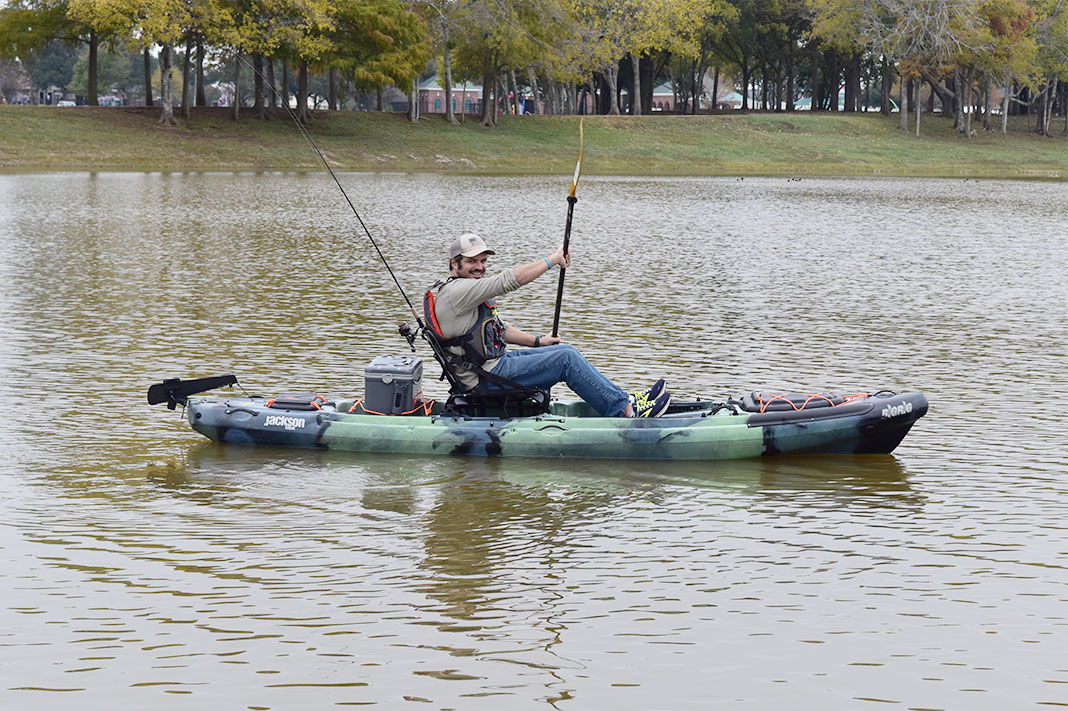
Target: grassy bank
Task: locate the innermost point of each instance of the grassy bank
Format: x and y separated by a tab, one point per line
129	138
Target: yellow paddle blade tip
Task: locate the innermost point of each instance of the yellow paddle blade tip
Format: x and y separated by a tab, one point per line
578	166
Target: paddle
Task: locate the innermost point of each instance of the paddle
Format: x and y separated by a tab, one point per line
571	200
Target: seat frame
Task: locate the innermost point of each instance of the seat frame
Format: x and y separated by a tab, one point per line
507	399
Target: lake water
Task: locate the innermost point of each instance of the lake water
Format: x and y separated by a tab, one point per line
142	565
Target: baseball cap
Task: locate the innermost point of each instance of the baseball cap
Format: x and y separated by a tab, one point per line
469	245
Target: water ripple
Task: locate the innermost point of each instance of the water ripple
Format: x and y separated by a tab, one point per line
139	560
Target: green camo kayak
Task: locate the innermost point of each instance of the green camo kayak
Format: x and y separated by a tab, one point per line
757	425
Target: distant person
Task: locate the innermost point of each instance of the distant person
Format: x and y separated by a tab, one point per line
462	311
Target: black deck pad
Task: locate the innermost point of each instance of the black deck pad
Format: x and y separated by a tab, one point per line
298	401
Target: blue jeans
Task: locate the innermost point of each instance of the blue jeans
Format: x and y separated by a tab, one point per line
546	366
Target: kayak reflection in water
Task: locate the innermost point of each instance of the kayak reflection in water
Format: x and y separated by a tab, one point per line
462	311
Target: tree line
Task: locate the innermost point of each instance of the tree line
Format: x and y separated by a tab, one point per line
985	58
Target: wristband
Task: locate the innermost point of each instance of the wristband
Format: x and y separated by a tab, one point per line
537	341
548	262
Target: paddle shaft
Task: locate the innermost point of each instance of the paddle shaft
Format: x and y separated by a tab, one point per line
571	200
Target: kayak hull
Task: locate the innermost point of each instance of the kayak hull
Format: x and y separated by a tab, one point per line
696	430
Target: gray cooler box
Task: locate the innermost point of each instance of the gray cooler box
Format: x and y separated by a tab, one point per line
391	384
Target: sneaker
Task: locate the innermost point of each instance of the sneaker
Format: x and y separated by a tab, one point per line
640	397
652	408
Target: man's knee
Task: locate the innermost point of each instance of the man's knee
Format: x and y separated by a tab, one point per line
568	351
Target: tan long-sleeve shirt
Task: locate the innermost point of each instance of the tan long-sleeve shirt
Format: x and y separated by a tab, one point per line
456	307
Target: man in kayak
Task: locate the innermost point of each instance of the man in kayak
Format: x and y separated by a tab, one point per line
462	311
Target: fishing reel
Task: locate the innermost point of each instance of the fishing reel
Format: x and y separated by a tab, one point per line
409	334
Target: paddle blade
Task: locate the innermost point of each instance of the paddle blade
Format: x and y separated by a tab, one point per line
175	391
578	165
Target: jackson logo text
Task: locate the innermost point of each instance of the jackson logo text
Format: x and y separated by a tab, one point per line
290	423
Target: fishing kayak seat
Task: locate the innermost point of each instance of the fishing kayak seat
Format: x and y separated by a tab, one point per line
493	396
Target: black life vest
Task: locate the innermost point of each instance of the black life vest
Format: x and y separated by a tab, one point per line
482	342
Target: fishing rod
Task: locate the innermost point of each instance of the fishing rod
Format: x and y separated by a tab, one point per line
571	200
315	147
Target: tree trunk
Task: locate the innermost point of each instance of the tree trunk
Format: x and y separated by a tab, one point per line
1018	106
516	99
919	108
186	71
413	104
946	96
777	99
833	81
884	88
495	107
958	102
783	81
270	81
715	89
611	76
745	86
331	99
852	68
603	104
1040	113
535	101
201	93
379	103
764	86
285	86
698	85
645	68
858	72
1045	109
636	85
258	103
1051	93
166	116
1005	101
487	102
789	79
903	105
302	92
989	90
235	109
94	43
148	78
450	113
815	60
966	100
